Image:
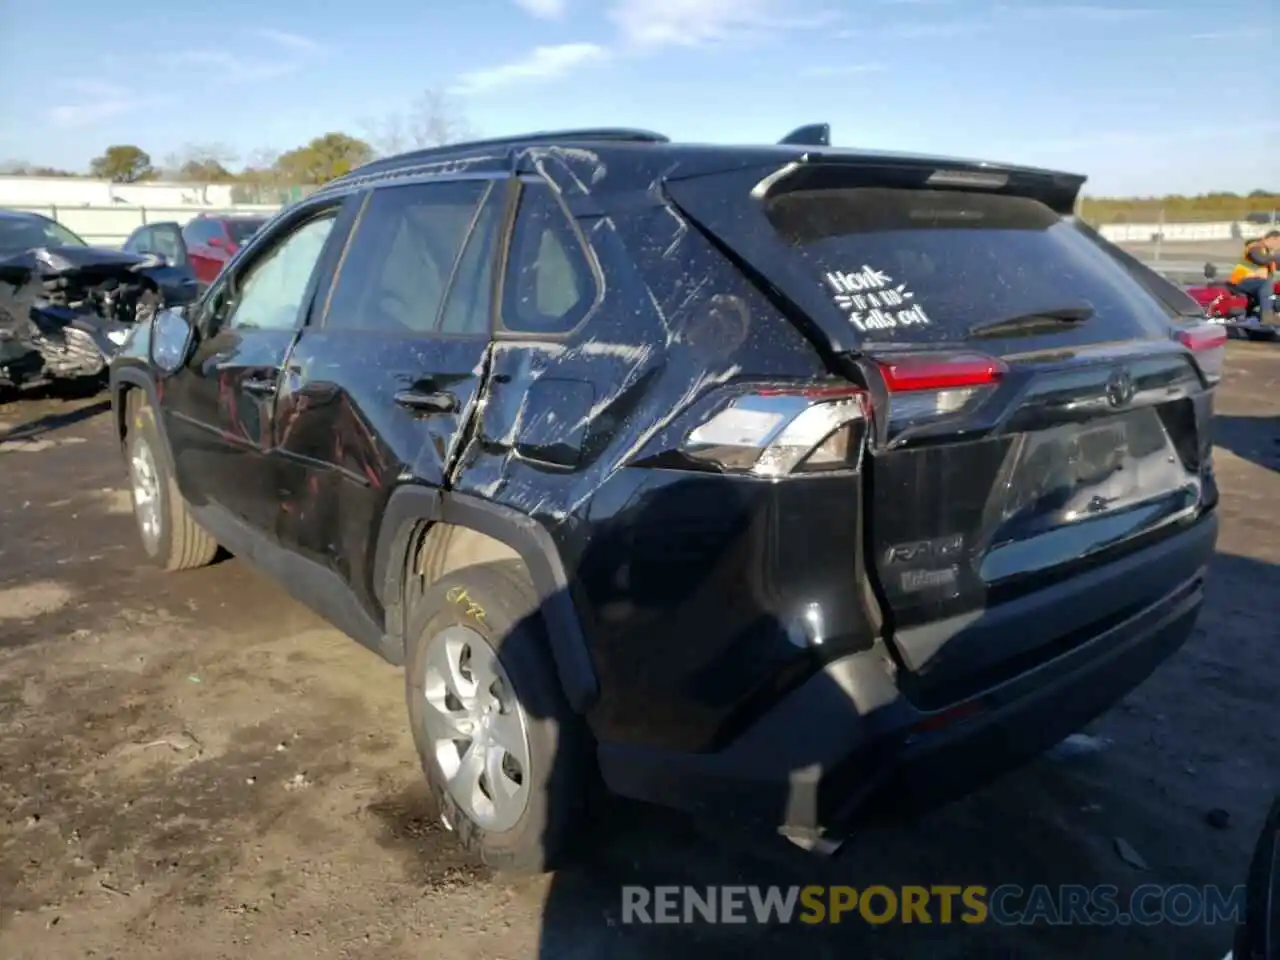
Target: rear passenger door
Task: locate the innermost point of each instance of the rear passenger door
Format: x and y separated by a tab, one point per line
385	384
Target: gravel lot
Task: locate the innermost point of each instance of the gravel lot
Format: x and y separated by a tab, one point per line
194	766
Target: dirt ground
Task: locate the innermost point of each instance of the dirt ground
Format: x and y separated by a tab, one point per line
193	766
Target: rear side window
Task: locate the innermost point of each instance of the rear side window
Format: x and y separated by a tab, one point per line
930	264
139	242
241	230
549	286
397	269
469	303
201	231
167	241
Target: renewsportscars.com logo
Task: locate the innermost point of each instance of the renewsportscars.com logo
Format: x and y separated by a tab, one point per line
1006	905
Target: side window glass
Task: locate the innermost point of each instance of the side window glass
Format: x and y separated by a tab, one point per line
469	305
137	242
269	295
549	286
395	272
200	231
167	242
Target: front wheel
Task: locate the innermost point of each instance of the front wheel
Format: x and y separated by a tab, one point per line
505	756
170	536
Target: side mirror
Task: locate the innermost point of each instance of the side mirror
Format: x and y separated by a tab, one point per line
171	341
1210	271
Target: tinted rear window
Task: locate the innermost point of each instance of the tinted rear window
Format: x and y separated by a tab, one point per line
929	264
23	233
242	230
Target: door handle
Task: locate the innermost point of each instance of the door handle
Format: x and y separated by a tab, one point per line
261	386
437	402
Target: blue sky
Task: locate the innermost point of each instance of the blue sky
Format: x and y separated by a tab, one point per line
1125	92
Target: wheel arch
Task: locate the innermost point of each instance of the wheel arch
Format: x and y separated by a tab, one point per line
432	532
122	383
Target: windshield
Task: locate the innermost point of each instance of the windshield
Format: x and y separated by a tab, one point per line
930	264
23	233
242	230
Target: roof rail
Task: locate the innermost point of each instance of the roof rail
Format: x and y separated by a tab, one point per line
810	135
463	147
621	134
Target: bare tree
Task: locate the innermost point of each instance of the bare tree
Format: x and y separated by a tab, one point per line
259	178
431	120
201	164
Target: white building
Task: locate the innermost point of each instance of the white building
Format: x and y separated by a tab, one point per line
84	192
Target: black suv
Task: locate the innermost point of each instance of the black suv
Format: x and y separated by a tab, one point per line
787	481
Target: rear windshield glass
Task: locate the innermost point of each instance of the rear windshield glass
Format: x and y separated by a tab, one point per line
242	230
931	264
23	233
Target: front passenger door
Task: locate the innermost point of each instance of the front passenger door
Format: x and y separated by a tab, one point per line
219	408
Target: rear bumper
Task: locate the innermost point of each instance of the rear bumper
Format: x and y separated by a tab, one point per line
849	744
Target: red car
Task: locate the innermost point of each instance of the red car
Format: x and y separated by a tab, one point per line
1225	304
212	240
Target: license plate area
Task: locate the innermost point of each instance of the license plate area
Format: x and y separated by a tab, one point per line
1075	488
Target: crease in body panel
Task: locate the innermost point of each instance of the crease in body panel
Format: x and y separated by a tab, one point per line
690	393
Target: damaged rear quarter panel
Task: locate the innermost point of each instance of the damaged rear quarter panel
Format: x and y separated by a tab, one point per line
564	420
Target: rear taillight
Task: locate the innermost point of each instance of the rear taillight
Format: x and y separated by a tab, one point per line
928	386
780	431
1208	343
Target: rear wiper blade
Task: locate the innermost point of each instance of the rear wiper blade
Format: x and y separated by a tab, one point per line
1038	321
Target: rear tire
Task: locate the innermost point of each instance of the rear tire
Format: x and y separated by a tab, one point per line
170	536
483	696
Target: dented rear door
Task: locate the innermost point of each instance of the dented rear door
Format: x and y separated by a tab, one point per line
381	389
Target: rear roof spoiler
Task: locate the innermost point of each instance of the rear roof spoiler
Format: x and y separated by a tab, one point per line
818	170
810	135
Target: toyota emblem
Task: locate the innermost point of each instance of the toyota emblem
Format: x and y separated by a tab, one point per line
1120	388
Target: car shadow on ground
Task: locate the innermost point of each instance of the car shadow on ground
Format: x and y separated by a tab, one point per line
1256	439
51	422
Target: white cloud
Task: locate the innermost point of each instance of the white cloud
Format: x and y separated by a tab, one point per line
542	63
916	30
1240	33
92	101
294	41
645	25
844	69
1093	13
228	66
689	23
543	9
